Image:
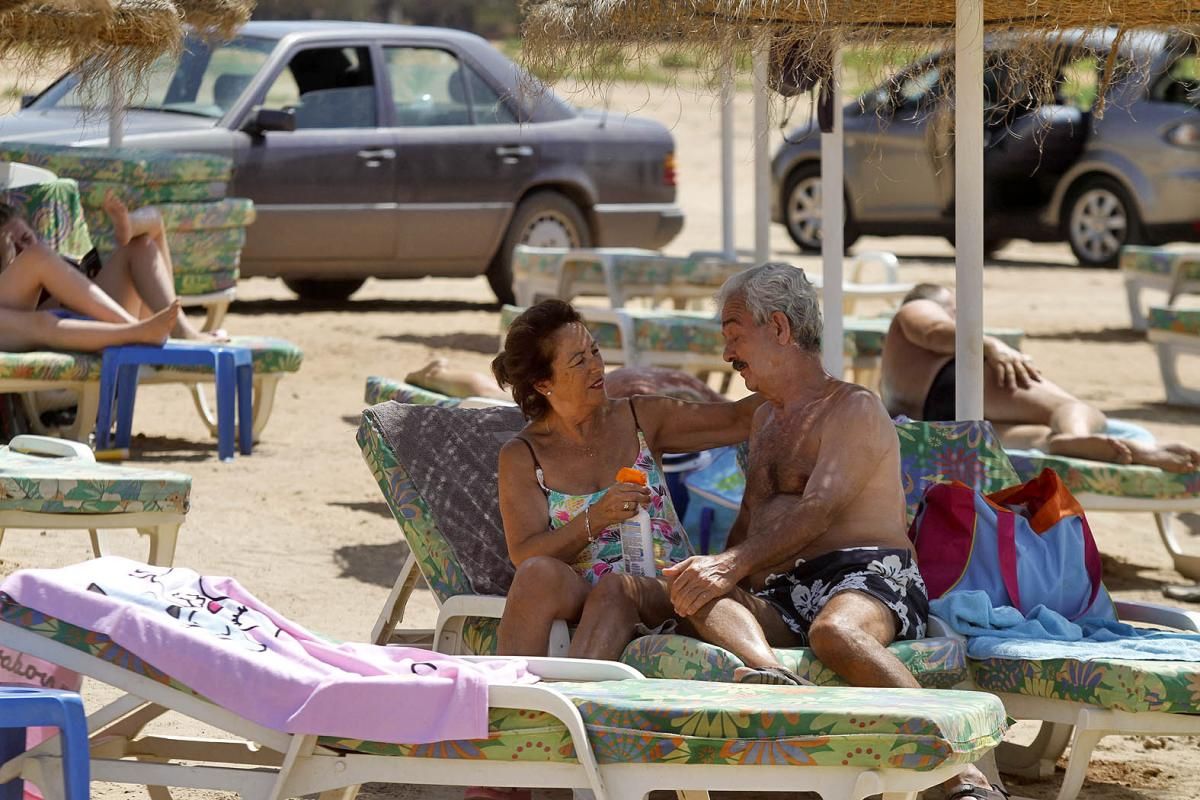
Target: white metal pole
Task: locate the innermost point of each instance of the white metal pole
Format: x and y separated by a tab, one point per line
762	162
968	208
116	111
728	236
833	215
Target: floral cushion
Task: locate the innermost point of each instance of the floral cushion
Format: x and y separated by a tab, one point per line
270	356
190	284
123	165
1112	480
679	722
632	267
71	486
1133	686
936	452
380	390
1156	261
936	663
1175	320
53	210
606	334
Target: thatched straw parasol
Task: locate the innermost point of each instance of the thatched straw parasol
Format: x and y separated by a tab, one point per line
115	37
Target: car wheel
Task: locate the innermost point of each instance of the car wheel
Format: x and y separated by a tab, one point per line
321	290
1099	218
543	219
802	210
990	246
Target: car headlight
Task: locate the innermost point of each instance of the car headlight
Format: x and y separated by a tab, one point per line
1186	134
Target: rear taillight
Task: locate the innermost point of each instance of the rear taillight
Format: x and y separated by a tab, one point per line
669	170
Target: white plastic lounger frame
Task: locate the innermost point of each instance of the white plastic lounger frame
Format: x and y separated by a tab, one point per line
161	527
1169	346
1081	725
216	304
1173	284
265	764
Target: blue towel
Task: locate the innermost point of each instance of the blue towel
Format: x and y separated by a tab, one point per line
1045	634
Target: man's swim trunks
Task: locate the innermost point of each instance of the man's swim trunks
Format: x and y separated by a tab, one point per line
889	575
939	403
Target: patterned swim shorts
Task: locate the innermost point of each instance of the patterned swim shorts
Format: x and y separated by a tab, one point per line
889	575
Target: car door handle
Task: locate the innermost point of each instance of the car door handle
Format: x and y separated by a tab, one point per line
513	154
383	153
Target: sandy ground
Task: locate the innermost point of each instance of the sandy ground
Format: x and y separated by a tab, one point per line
302	524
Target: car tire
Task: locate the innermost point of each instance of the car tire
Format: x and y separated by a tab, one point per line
544	218
323	290
990	246
1098	219
801	204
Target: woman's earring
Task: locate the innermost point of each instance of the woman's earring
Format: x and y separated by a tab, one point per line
548	393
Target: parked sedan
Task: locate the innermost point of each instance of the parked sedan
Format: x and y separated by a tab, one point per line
388	151
1053	170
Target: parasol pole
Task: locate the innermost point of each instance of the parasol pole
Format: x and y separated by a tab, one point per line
833	217
762	157
728	237
116	111
968	208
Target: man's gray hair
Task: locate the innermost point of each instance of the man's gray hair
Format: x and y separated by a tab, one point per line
775	286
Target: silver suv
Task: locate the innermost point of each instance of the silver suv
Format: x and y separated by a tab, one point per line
1054	171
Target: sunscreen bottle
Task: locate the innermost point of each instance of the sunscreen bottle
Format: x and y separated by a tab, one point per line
637	537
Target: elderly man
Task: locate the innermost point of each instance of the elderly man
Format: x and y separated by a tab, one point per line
818	555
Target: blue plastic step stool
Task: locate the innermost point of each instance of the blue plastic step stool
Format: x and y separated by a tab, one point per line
24	707
233	368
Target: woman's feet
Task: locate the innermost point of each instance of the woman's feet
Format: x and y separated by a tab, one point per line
1168	456
155	329
118	212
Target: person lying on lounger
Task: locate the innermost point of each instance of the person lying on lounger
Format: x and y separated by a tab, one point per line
50	302
560	504
818	555
917	380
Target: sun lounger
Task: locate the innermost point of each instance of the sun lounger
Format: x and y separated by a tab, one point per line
598	727
57	484
80	373
1175	332
621	274
1174	272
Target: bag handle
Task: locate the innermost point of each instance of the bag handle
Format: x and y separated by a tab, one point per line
1006	544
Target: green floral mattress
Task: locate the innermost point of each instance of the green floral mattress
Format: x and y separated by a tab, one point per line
1175	320
191	284
1156	261
1111	480
683	722
633	267
380	390
936	663
1170	686
125	164
270	356
69	486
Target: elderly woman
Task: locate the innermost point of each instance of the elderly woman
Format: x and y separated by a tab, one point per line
561	507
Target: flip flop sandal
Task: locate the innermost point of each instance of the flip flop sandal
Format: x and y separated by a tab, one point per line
1187	593
773	676
969	791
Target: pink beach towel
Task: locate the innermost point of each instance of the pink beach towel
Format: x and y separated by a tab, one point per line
212	635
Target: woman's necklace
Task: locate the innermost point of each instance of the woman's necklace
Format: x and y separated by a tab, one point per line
585	449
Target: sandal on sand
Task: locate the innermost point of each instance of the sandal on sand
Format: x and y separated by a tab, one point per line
489	793
773	676
1187	593
968	791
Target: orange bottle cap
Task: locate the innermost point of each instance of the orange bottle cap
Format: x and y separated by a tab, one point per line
631	475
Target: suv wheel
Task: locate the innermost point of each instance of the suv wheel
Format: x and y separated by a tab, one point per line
802	209
543	219
1099	218
321	290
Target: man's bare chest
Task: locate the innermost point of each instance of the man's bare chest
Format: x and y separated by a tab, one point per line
781	460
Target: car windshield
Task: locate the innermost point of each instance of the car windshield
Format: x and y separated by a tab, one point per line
203	80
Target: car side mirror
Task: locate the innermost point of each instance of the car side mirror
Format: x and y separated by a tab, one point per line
263	120
27	100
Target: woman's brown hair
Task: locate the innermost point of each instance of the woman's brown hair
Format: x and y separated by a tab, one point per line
528	354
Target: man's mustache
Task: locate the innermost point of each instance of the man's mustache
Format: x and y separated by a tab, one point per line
738	366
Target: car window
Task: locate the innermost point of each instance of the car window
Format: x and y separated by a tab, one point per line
1180	83
203	79
327	87
431	87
